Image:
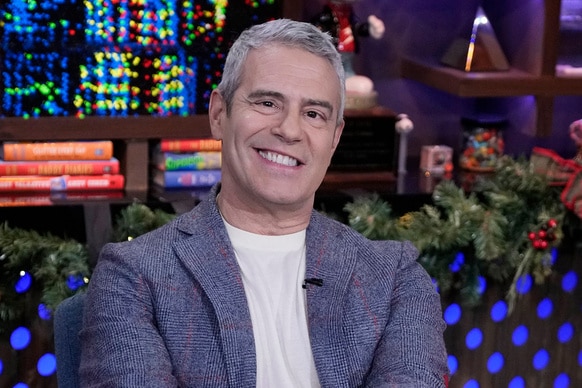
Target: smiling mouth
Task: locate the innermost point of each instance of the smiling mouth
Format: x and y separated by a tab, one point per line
279	159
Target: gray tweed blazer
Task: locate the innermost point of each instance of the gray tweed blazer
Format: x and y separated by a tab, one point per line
168	309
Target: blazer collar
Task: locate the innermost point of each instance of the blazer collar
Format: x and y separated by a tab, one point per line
208	254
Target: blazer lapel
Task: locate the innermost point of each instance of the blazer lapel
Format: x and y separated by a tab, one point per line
208	255
332	260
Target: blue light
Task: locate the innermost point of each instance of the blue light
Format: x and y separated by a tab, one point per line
517	382
474	338
1	367
499	311
495	362
541	359
565	332
20	385
545	308
458	263
471	384
482	285
20	338
520	335
47	364
74	282
580	358
452	314
569	281
554	255
43	312
24	282
523	284
453	364
562	381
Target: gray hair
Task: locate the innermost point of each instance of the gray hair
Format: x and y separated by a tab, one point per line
287	32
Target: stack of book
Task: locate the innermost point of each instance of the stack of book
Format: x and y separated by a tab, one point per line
68	166
187	163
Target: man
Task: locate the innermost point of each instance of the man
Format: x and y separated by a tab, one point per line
253	287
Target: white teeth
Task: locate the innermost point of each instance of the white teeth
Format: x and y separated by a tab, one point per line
278	158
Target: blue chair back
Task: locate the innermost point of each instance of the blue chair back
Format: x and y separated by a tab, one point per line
68	321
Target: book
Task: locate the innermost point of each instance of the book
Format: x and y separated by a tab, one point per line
59	167
190	145
25	200
66	150
204	160
51	198
39	183
181	179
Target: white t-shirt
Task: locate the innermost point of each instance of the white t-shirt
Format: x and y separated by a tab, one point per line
273	270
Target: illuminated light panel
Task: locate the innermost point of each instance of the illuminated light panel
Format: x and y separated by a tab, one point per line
474	338
495	363
47	364
20	338
565	332
452	314
517	382
453	364
523	284
520	335
471	384
499	311
569	281
545	308
562	381
541	359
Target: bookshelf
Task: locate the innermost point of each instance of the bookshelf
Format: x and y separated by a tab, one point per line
131	136
533	62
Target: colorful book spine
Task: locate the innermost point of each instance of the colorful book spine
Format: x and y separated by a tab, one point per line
68	150
182	179
40	183
59	167
25	200
190	145
171	161
34	198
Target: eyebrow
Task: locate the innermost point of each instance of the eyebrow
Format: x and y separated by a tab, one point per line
307	102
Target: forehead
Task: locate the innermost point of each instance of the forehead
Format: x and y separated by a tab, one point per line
281	66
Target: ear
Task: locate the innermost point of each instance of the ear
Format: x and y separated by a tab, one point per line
216	114
337	134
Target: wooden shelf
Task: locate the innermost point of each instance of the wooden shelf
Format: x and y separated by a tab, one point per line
134	127
508	83
130	134
540	80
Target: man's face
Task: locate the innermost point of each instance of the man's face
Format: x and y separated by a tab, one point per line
282	129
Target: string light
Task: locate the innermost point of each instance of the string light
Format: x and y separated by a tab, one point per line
113	57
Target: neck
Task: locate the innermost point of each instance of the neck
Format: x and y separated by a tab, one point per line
262	220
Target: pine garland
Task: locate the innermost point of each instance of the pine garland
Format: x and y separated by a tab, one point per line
59	267
138	219
504	229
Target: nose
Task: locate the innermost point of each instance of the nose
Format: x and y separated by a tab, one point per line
289	128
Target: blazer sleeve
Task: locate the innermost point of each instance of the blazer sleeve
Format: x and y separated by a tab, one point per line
412	350
121	346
